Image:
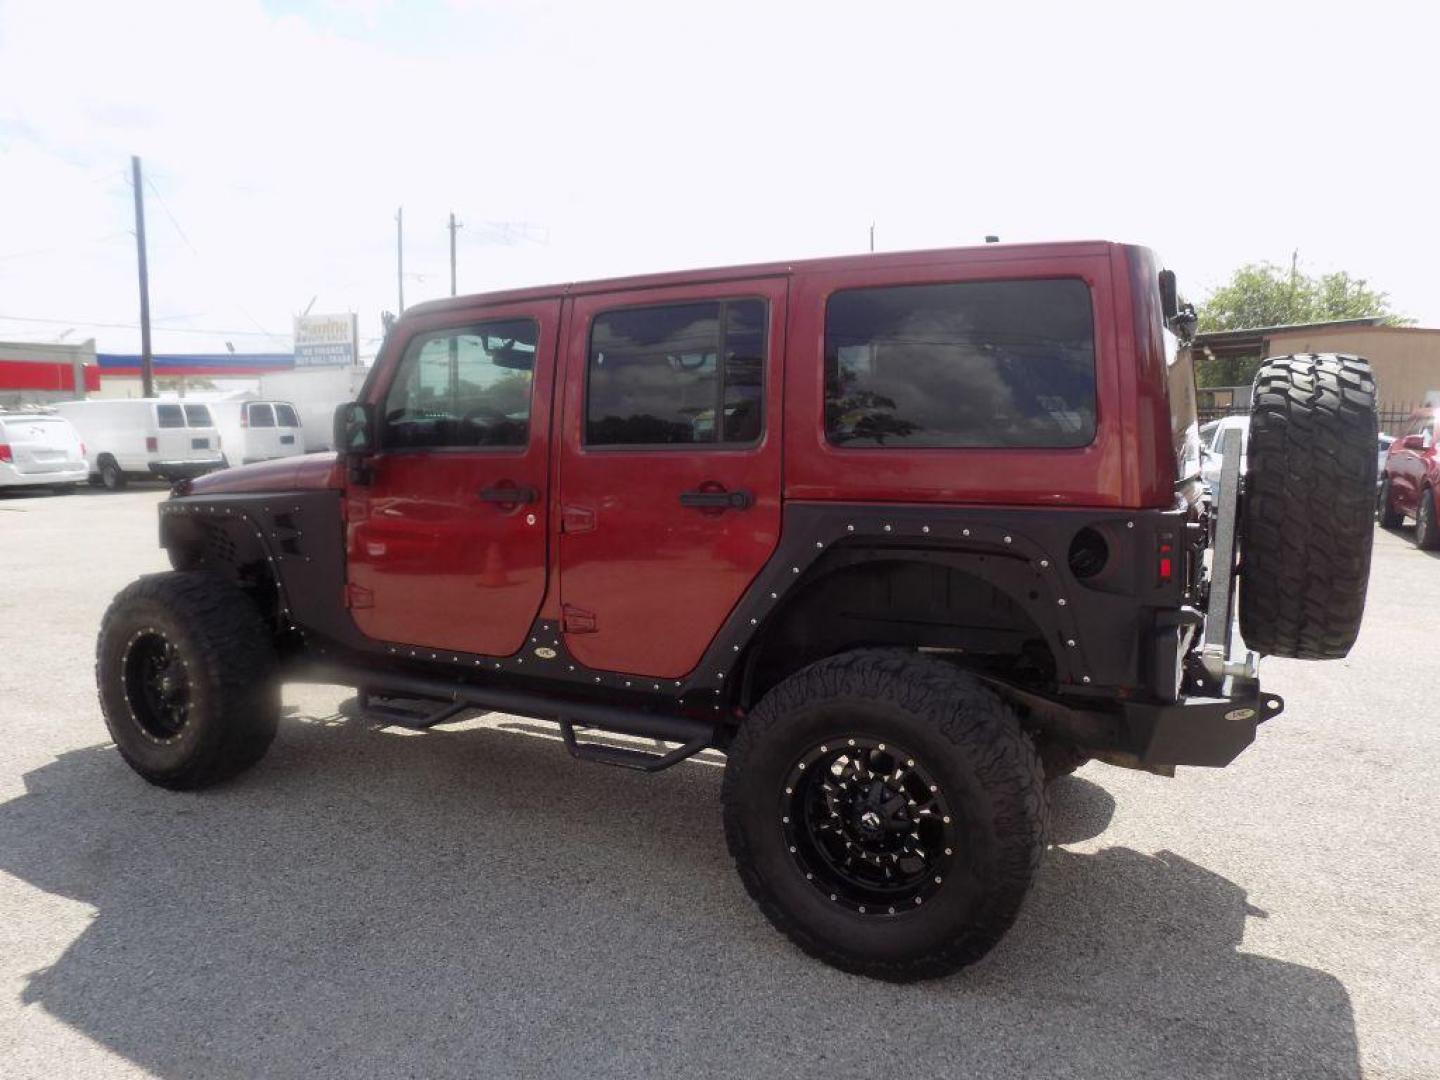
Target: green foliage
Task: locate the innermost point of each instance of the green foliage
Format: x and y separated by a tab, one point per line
1263	294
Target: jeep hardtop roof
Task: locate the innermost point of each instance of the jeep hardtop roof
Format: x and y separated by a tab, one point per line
1007	253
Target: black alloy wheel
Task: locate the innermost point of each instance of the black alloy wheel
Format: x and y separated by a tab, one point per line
868	825
157	685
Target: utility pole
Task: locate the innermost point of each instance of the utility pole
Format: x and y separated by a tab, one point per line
453	226
872	236
400	256
147	362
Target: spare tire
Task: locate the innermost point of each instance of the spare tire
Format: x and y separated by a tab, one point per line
1307	516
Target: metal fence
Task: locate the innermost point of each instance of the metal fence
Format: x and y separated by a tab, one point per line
1392	420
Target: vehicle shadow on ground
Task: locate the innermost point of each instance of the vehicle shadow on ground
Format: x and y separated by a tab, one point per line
475	903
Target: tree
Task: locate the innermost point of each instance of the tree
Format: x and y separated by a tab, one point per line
1263	294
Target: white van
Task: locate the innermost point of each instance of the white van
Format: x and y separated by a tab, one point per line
40	449
257	430
144	437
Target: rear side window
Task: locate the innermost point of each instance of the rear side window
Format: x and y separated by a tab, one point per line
994	363
169	416
285	415
198	416
690	373
261	415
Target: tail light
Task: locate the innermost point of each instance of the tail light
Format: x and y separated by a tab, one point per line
152	443
244	416
1165	558
5	452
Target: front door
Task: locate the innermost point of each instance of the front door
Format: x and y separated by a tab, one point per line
1406	465
669	469
446	546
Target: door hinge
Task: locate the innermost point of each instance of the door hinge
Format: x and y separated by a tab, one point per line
577	519
357	596
574	620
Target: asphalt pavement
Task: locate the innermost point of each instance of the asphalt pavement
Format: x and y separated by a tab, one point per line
472	902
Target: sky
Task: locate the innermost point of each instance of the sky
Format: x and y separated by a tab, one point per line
580	140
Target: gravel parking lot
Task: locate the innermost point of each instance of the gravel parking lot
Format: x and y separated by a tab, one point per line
472	902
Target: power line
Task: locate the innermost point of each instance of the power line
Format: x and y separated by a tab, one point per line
166	207
185	237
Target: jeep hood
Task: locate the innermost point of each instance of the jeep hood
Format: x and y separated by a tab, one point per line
308	472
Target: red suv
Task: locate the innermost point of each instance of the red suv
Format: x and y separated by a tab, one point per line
904	536
1410	480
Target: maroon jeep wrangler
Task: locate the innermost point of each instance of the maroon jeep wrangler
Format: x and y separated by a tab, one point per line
903	536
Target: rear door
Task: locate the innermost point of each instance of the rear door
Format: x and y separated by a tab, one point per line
289	438
204	437
172	438
670	468
262	438
446	546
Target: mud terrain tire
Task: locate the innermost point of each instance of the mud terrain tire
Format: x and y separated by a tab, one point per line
187	677
972	747
1307	520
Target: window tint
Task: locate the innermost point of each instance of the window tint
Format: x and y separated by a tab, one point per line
261	415
1003	363
466	387
285	415
198	416
169	416
684	373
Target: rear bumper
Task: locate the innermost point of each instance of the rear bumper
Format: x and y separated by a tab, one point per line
73	473
1199	730
176	470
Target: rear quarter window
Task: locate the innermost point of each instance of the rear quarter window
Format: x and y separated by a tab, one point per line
198	416
169	416
964	364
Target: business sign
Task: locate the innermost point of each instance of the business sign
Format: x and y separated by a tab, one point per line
326	341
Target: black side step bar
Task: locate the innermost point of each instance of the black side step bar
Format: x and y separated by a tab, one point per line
626	758
450	699
375	705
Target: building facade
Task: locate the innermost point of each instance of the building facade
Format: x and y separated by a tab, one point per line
35	373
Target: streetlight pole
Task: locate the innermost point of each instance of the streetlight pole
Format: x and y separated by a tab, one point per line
453	226
400	256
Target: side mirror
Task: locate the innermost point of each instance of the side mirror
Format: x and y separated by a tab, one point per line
1169	296
355	438
355	428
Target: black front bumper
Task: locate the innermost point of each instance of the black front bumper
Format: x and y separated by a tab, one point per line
1199	730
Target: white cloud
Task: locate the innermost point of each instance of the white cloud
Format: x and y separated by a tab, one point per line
666	135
